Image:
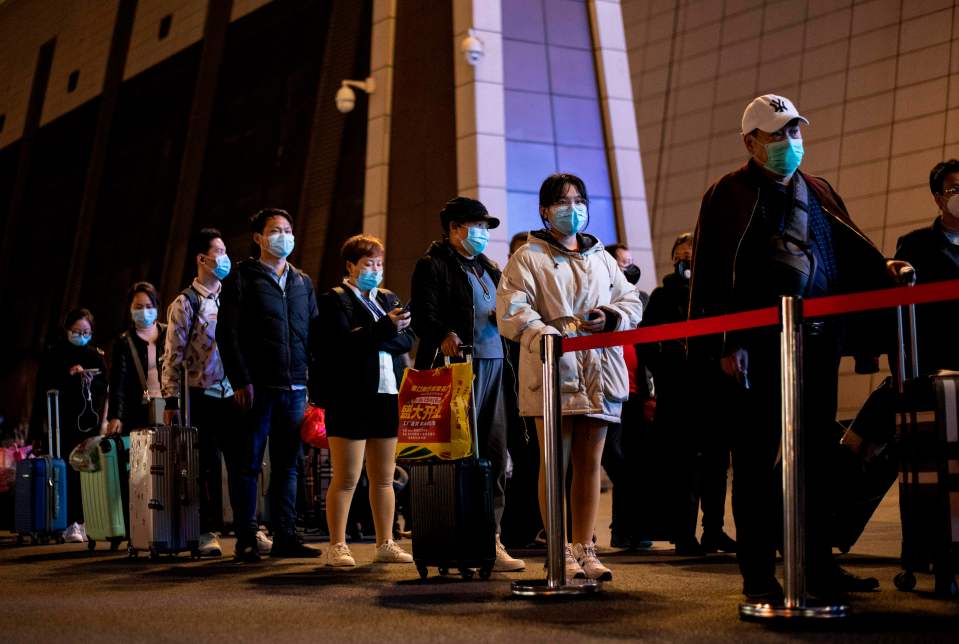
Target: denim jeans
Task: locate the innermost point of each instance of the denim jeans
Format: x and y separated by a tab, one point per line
276	415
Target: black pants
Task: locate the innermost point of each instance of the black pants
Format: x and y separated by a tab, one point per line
218	433
757	481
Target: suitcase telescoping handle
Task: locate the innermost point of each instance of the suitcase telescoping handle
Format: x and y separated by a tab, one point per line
53	419
906	334
185	393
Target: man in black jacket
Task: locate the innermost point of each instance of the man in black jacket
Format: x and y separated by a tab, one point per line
769	230
934	252
266	311
453	302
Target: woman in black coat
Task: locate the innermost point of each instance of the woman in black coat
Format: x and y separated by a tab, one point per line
133	391
363	339
74	366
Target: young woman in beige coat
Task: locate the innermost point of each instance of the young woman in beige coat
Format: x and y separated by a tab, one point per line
563	283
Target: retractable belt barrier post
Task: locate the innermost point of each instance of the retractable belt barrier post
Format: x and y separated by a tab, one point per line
790	316
555	583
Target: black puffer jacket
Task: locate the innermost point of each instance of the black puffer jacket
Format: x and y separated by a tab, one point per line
126	390
263	332
442	299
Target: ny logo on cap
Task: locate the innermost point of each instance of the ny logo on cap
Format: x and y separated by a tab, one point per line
778	105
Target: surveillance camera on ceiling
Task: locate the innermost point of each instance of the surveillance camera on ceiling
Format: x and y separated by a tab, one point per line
472	48
345	96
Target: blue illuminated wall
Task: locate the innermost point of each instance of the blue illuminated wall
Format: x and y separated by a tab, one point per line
553	120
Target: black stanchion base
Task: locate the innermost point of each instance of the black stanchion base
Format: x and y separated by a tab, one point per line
541	588
778	612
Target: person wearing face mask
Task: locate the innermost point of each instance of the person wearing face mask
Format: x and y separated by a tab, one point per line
562	282
267	309
364	331
764	231
136	400
191	340
934	252
73	365
453	302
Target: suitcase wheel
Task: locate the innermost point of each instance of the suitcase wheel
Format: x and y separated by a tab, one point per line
485	572
946	586
195	554
905	581
132	552
423	570
444	571
466	573
91	544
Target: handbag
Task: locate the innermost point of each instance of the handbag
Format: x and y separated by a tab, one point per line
313	428
85	457
434	413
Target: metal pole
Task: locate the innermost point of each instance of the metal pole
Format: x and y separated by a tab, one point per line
790	350
555	583
553	459
795	604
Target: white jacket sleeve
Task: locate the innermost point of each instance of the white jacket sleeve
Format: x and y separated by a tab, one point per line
624	298
516	316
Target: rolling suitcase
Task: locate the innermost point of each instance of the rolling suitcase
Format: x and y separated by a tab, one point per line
928	433
452	506
41	487
105	494
164	488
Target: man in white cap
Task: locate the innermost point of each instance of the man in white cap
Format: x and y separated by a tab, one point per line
767	230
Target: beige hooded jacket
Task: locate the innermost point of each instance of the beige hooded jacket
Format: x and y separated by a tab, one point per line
547	289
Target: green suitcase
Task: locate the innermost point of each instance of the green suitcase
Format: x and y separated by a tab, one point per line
105	494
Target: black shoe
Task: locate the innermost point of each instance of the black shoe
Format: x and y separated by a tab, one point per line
689	548
619	540
246	551
292	548
718	542
763	591
836	580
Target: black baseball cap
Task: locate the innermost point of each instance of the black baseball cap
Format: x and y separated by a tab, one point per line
463	210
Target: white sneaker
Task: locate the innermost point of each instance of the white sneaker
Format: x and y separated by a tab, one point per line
264	544
390	552
209	545
587	559
338	556
504	562
74	534
573	569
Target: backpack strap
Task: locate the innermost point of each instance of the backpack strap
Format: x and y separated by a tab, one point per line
193	297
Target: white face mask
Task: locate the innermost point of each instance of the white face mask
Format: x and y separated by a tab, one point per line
952	206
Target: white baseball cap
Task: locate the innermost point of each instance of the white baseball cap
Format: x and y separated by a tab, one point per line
769	113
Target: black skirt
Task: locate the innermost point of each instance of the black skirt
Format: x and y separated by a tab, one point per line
377	417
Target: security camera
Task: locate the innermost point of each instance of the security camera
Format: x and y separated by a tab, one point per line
472	48
345	99
345	96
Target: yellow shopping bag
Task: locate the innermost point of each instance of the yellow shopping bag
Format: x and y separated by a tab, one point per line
434	413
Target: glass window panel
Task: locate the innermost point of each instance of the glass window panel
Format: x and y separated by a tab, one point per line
528	117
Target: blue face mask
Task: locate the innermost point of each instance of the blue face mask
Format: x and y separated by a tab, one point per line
570	220
476	240
784	157
78	339
223	266
368	280
143	318
280	244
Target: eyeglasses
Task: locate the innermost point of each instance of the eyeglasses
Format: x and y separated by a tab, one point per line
951	190
578	201
82	334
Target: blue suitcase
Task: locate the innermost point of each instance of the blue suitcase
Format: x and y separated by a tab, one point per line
41	488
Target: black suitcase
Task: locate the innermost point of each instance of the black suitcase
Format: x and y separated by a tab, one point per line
452	507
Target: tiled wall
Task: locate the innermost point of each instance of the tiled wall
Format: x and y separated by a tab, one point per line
83	29
878	79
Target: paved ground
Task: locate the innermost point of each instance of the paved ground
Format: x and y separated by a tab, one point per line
64	593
